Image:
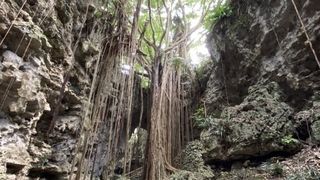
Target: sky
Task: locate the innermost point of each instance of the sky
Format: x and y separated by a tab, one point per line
198	51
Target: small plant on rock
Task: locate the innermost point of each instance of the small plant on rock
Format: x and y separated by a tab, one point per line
200	119
220	11
289	140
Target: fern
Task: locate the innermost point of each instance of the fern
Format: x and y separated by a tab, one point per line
219	12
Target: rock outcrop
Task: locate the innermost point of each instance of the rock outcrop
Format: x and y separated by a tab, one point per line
257	127
192	164
263	42
261	99
263	66
39	42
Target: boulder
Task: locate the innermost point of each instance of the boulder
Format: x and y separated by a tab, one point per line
259	126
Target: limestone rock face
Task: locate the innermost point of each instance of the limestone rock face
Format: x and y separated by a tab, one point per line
262	92
191	159
275	51
257	127
37	48
308	121
263	42
192	164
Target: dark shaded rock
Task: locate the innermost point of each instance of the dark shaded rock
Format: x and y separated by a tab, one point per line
261	94
262	42
308	123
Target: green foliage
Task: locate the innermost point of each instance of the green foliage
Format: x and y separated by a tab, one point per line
200	120
219	12
98	14
138	68
153	29
178	63
145	82
289	140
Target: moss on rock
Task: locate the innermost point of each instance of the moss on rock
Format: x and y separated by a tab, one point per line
254	128
192	164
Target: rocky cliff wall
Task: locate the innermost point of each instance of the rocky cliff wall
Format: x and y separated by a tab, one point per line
262	96
262	42
261	48
40	40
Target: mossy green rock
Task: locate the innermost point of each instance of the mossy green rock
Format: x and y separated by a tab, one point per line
192	164
254	128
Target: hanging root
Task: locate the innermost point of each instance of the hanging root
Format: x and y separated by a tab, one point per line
306	33
169	167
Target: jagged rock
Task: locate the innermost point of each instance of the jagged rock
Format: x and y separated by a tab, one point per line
192	164
308	123
11	57
34	59
25	100
256	127
261	42
261	94
191	159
